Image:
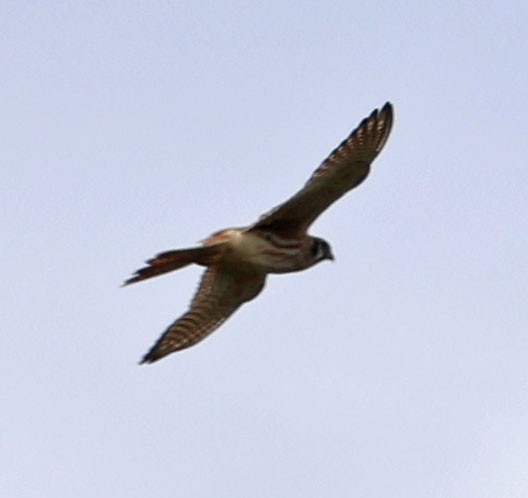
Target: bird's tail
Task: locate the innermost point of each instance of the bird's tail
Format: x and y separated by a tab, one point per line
176	259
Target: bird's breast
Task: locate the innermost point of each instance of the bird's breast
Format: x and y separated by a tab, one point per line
263	251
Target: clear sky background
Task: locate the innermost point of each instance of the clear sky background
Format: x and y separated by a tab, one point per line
400	370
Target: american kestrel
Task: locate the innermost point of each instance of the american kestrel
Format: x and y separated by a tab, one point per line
238	259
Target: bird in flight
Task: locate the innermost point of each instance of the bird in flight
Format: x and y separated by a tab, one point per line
237	260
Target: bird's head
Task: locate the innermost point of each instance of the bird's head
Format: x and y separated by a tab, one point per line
320	250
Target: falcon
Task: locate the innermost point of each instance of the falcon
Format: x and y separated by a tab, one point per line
237	260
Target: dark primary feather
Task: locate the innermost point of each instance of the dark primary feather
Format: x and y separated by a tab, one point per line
345	168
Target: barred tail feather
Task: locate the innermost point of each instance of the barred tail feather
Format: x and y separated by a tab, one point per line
168	261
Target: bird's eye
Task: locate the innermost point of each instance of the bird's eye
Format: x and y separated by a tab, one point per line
316	248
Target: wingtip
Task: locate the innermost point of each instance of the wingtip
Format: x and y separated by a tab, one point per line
385	119
388	109
152	356
147	359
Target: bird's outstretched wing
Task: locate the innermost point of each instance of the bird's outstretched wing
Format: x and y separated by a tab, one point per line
346	167
220	294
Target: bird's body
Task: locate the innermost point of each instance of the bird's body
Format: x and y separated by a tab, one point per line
238	259
261	251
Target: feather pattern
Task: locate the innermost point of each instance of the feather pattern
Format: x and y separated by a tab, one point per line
219	295
345	168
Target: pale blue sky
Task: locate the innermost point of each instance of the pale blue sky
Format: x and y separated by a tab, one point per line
398	371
